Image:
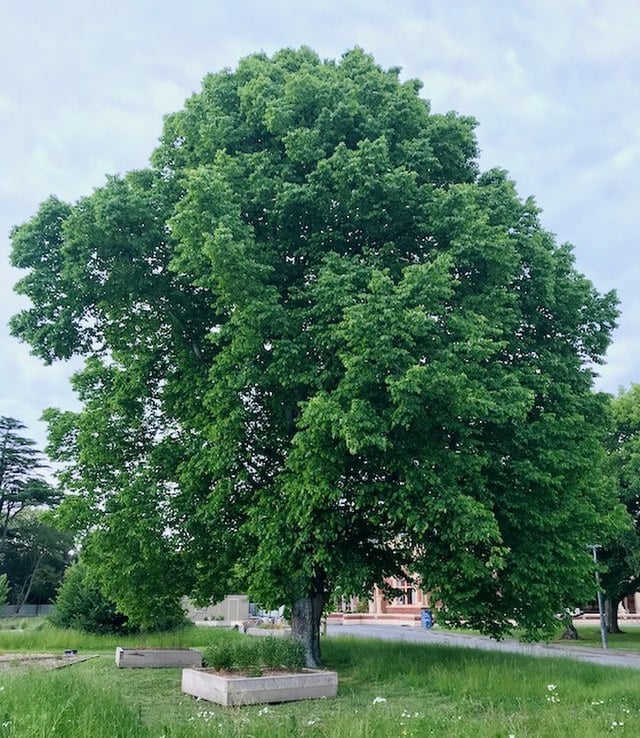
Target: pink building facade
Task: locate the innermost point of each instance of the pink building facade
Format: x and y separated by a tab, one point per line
404	609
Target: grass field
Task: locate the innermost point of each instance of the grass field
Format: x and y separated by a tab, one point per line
628	640
386	690
44	637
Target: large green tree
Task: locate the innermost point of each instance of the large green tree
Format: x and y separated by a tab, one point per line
322	349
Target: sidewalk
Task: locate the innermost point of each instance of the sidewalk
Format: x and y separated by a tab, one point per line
610	657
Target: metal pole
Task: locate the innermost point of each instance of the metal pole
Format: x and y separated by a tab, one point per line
603	622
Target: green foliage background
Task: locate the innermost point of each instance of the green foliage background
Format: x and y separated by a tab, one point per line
4	590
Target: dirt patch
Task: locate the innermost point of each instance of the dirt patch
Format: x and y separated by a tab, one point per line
21	661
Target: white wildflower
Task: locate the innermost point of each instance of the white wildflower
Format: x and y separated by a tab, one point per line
311	722
552	687
264	711
206	715
378	700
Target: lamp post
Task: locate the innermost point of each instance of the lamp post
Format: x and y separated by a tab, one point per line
603	622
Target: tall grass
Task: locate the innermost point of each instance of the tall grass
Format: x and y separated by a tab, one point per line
385	690
22	623
49	638
65	705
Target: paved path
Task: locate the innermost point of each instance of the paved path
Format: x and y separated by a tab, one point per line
610	657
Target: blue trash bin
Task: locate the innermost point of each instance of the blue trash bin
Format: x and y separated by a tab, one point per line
426	618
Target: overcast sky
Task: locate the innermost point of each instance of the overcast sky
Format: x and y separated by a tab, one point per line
553	83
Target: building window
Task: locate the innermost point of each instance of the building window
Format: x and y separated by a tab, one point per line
407	593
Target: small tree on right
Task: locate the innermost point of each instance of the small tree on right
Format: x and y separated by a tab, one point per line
622	557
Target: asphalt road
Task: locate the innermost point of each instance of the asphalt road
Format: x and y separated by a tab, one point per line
609	657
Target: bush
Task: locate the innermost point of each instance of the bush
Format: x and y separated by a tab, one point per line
4	590
283	653
81	605
220	656
255	654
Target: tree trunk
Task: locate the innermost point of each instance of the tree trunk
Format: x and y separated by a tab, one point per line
570	632
22	598
306	614
611	615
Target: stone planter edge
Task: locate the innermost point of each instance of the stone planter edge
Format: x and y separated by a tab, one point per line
162	658
232	691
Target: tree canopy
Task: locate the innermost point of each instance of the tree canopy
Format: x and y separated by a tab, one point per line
35	558
321	349
26	545
21	484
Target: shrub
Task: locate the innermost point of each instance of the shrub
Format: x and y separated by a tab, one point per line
220	656
81	605
283	653
255	654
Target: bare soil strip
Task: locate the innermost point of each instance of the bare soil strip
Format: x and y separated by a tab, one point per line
21	661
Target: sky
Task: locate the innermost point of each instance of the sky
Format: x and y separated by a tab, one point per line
554	85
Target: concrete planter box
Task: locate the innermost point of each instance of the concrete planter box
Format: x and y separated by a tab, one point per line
159	658
240	690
